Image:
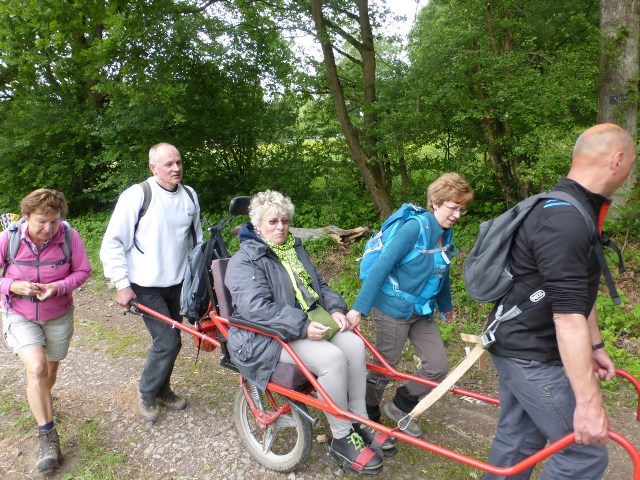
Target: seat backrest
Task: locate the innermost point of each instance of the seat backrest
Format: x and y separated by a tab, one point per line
218	271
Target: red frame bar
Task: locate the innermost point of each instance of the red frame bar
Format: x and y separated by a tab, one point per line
635	382
328	405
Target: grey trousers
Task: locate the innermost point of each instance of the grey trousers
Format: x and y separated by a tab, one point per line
537	403
165	339
391	335
340	367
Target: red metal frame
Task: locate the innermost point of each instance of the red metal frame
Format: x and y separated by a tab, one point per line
264	418
326	404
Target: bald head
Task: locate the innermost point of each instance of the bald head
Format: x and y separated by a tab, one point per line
160	149
597	141
602	158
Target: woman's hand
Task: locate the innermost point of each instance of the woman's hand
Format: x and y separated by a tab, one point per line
46	290
354	318
341	320
447	317
316	331
24	287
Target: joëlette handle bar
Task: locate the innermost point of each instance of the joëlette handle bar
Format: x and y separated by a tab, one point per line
391	372
325	403
137	306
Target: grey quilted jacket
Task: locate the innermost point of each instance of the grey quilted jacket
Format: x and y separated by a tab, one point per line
262	292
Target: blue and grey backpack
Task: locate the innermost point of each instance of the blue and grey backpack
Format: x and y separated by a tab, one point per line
382	239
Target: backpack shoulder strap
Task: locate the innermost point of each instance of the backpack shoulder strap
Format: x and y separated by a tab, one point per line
422	240
66	245
13	231
146	190
192	229
189	192
146	200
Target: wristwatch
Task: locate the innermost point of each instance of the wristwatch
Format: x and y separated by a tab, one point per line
598	346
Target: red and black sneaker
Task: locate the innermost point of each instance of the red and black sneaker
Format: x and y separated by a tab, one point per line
379	442
354	454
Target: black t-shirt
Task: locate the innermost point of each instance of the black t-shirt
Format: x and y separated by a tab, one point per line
552	253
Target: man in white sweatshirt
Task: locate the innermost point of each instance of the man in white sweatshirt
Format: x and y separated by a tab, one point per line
144	253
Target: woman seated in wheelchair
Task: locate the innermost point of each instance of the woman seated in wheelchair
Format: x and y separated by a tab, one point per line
273	281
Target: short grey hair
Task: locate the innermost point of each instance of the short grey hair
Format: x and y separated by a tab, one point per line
263	202
154	151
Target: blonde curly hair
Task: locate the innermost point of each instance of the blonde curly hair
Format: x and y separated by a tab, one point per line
269	200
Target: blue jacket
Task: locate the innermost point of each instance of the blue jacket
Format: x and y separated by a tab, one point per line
411	276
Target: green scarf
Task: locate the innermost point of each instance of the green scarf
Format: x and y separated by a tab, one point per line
289	258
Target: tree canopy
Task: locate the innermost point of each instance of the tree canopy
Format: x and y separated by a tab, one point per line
497	91
87	87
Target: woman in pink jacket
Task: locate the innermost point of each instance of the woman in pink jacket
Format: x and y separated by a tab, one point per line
43	261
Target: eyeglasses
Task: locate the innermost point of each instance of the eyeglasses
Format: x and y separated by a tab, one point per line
460	210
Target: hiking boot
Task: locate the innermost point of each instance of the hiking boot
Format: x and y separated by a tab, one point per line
49	455
148	408
354	454
171	401
381	443
395	414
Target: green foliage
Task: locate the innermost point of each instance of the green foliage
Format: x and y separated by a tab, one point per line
87	88
91	228
624	220
619	325
319	246
502	86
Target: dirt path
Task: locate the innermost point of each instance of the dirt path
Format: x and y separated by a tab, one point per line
103	438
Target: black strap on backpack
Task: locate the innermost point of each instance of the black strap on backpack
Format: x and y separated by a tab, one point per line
598	242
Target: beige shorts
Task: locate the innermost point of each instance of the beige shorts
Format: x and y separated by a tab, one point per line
54	335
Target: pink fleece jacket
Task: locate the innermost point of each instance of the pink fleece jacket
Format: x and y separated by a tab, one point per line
67	276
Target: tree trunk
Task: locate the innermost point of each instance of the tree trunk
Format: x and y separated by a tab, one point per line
361	144
618	88
495	130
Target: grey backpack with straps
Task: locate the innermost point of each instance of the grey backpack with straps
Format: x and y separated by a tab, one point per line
486	268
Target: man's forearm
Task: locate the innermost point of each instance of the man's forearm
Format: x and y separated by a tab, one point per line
574	342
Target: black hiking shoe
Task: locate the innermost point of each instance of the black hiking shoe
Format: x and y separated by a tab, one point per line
354	454
49	455
381	443
172	401
147	408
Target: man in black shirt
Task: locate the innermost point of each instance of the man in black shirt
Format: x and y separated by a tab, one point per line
550	358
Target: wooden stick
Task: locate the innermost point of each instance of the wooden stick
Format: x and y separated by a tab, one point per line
448	383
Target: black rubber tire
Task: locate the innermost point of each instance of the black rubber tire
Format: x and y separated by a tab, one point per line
290	437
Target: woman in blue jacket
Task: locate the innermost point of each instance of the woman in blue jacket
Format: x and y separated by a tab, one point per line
396	318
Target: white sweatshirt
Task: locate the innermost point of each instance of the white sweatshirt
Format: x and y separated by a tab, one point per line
162	240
